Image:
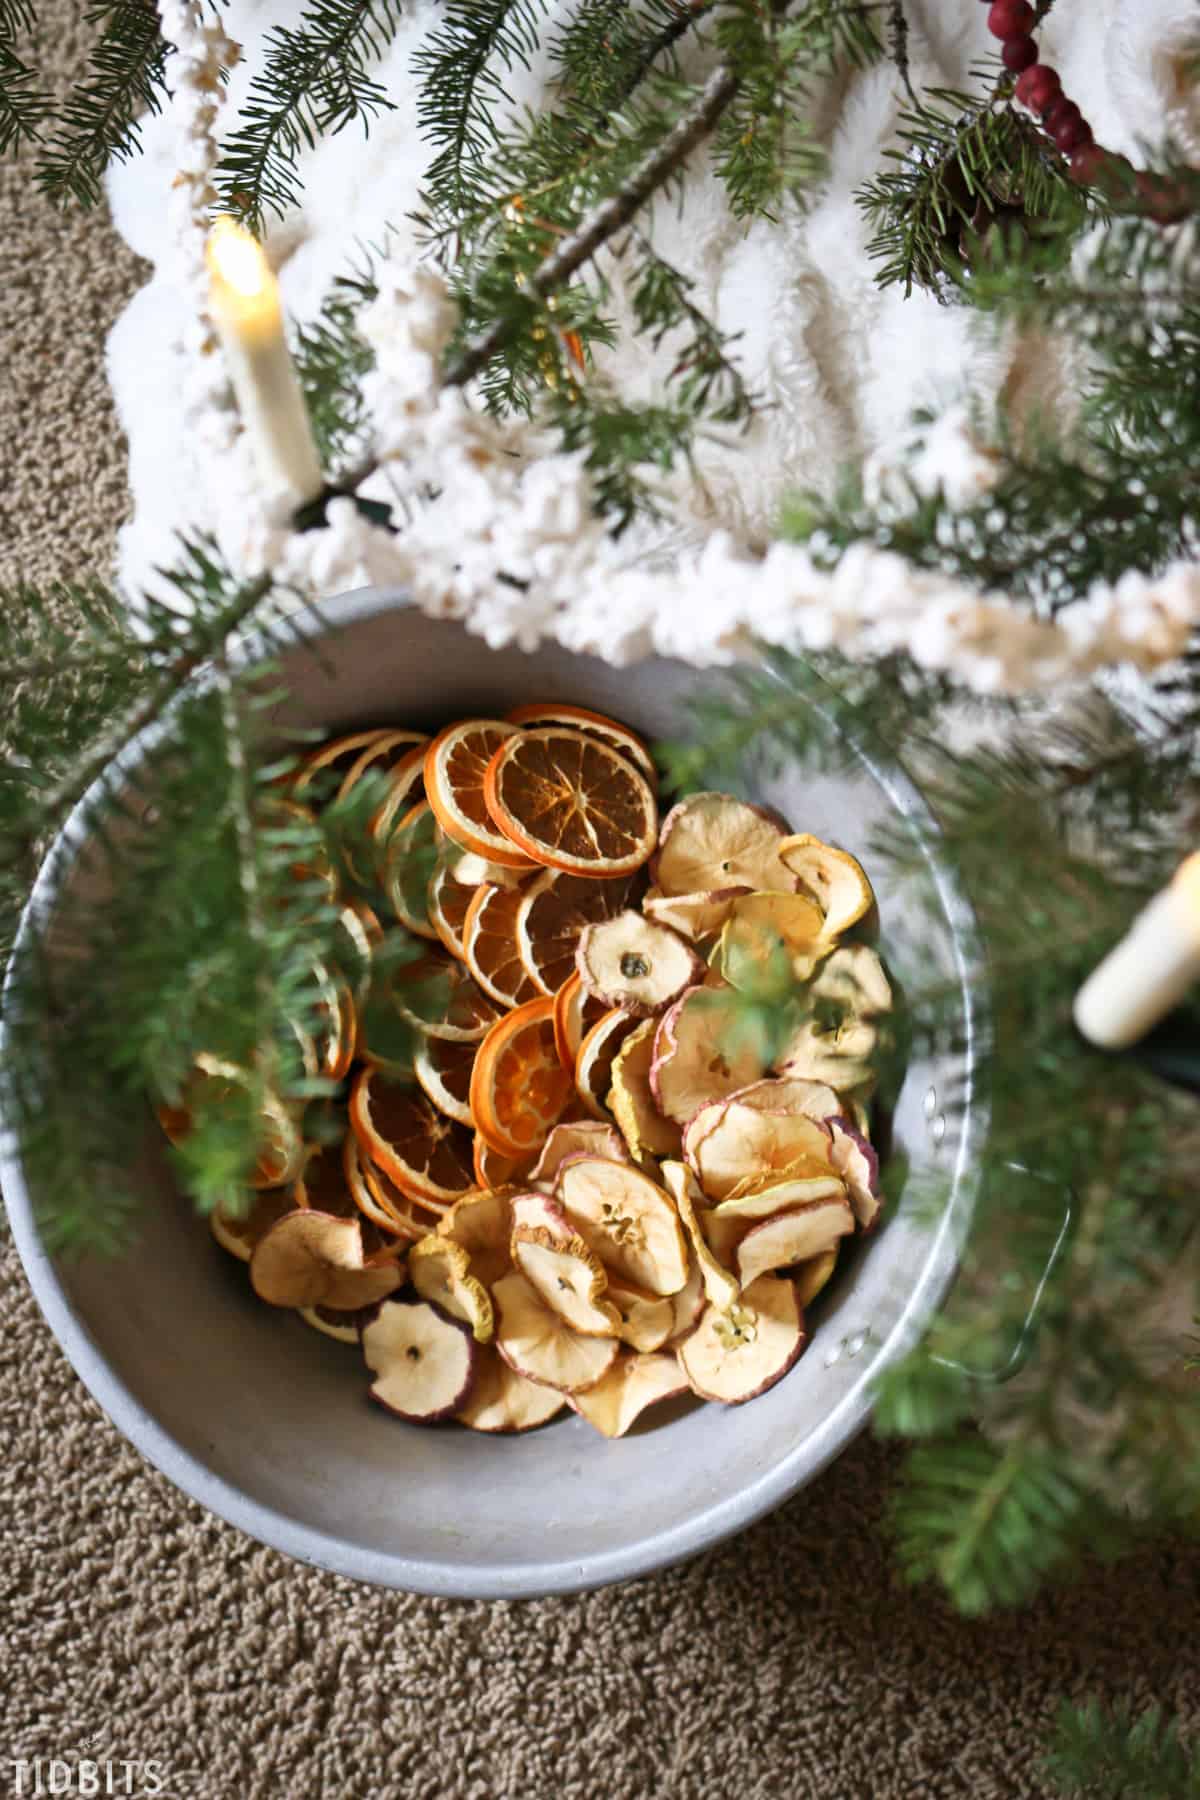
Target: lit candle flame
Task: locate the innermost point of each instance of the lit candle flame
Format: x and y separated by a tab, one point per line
236	257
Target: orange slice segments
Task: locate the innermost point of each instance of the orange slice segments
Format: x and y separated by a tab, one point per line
554	909
447	902
570	802
597	1053
443	1067
592	724
427	1155
575	1012
490	945
519	1088
455	765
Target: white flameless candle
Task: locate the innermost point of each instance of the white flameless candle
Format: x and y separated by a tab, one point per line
1150	970
244	299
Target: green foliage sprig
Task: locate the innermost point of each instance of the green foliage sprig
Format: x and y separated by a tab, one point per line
316	80
99	123
1121	1756
23	105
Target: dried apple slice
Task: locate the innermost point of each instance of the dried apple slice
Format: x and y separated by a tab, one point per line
792	1237
764	1196
687	1306
791	1094
647	1320
538	1343
694	916
597	1053
422	1359
630	962
761	927
240	1232
835	879
721	1288
345	1328
315	1259
746	1145
736	1355
698	1057
631	1099
634	1382
440	1271
812	1276
857	1162
581	1137
567	1275
723	1235
500	1400
481	1224
711	841
629	1222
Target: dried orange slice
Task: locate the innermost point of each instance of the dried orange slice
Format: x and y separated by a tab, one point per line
239	1233
336	758
592	724
495	1171
519	1088
490	945
575	1012
386	751
570	802
455	764
379	1200
439	996
443	1067
401	795
597	1053
446	902
411	854
427	1155
554	910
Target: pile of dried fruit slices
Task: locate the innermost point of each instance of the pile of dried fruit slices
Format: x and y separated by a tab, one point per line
586	1192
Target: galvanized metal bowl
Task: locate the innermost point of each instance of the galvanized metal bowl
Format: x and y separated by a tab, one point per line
267	1423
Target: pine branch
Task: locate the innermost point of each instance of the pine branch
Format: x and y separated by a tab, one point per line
99	123
314	82
1117	1756
23	105
610	216
331	360
197	648
462	88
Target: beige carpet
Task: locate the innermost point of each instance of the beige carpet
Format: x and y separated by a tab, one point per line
134	1627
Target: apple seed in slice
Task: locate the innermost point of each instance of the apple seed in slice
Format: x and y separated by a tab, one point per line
631	962
569	1278
628	1220
736	1355
422	1359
